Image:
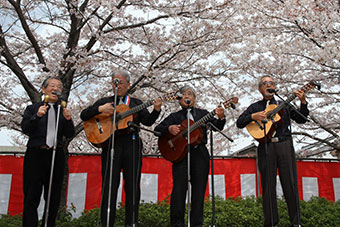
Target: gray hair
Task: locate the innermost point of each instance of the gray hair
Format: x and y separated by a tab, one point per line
187	87
261	78
45	82
122	73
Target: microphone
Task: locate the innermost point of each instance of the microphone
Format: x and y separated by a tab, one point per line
116	80
270	90
57	93
179	96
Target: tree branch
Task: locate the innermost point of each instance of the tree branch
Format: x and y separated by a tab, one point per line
16	69
29	34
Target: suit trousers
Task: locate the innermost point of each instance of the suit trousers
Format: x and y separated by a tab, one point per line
127	158
281	157
36	177
199	170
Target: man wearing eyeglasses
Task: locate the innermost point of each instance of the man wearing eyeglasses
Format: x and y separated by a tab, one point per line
39	123
127	150
277	153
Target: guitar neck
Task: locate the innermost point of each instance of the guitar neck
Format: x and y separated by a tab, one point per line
198	123
281	106
134	110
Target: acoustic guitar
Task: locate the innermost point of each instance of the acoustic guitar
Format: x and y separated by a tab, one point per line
174	148
99	128
274	113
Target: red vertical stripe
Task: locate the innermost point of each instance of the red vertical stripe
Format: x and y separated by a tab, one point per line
230	168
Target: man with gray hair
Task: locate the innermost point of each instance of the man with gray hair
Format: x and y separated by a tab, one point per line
39	124
124	153
199	160
276	154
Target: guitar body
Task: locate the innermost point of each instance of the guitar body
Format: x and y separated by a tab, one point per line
273	113
256	129
99	128
174	148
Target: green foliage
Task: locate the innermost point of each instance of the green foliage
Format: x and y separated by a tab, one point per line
320	212
234	212
10	221
230	212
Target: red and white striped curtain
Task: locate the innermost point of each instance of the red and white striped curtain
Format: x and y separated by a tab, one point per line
232	178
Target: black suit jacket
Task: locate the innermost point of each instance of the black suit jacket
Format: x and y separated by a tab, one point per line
36	127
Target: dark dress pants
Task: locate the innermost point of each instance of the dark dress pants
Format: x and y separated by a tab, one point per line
281	157
199	170
124	151
36	176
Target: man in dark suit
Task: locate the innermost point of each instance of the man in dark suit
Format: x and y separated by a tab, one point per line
280	154
126	158
199	160
39	123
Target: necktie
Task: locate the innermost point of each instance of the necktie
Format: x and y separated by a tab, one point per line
50	126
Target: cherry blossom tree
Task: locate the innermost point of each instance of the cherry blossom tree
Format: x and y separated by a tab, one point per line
220	47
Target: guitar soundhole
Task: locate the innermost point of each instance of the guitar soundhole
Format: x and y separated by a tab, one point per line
99	125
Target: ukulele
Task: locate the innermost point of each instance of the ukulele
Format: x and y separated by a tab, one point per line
99	128
274	113
174	148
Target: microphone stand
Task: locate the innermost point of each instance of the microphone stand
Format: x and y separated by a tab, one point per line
210	128
291	106
133	125
112	152
134	182
188	149
52	163
135	128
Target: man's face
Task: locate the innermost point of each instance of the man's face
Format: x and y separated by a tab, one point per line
187	95
123	85
53	85
267	83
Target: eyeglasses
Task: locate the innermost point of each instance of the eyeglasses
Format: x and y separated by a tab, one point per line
268	83
188	93
121	83
55	86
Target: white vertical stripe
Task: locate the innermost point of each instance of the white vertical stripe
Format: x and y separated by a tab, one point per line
309	187
279	191
336	185
5	190
41	205
76	193
219	183
120	190
149	187
248	185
